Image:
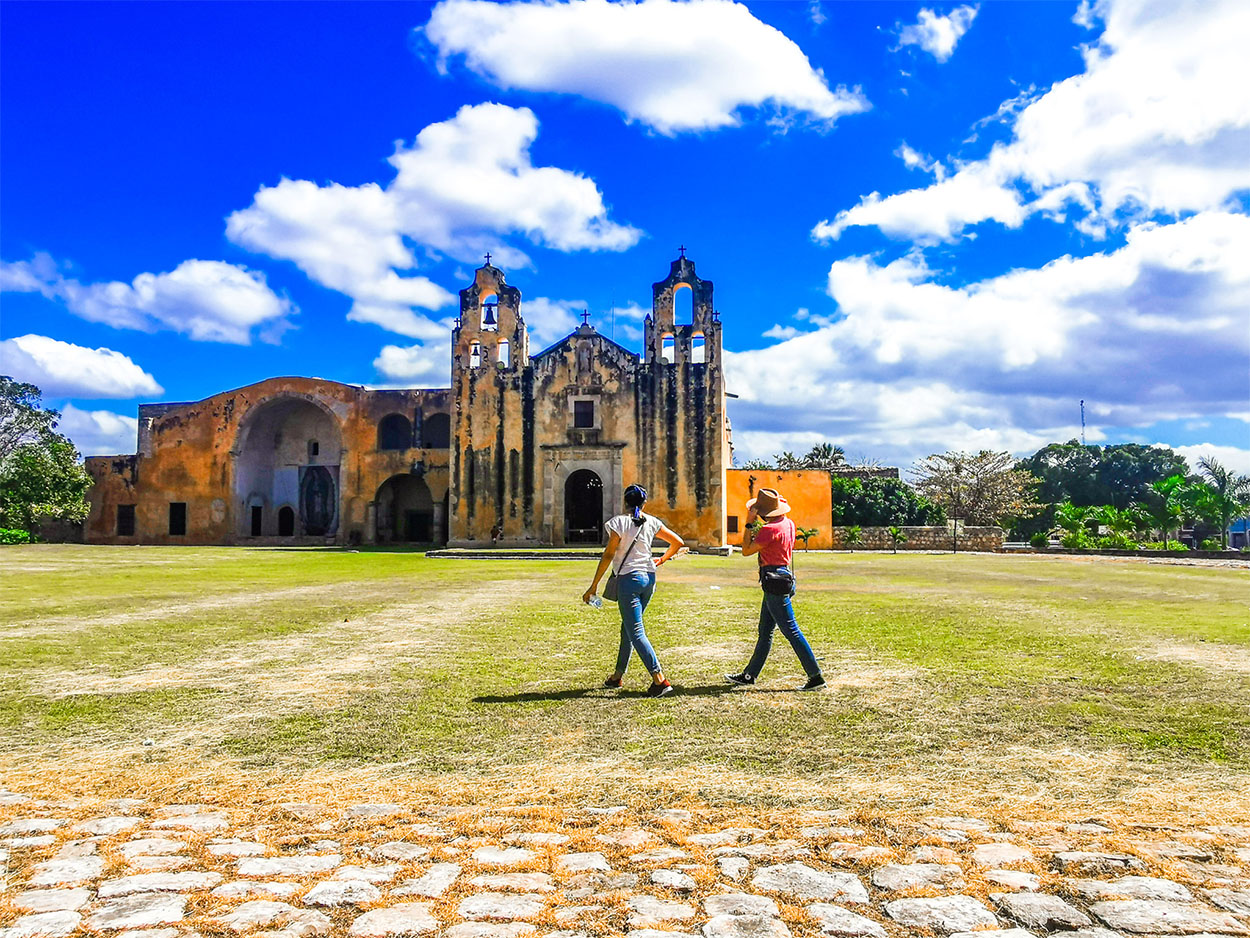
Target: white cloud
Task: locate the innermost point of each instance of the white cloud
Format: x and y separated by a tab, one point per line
673	66
416	366
1157	330
938	34
99	432
211	301
462	186
61	369
778	331
1159	122
1230	457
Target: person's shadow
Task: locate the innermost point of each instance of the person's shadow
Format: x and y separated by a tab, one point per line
604	693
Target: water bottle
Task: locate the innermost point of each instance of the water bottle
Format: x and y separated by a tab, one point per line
596	602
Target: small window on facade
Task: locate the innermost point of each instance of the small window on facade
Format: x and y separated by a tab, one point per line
668	348
177	518
475	355
505	354
394	432
583	414
314	450
125	520
698	349
436	431
731	524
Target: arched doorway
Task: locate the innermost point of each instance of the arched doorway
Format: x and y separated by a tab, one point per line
583	508
405	511
286	521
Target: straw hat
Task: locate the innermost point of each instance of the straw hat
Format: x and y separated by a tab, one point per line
769	504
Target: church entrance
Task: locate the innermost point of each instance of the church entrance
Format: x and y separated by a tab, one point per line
405	512
583	508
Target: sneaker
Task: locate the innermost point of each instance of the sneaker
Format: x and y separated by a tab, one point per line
814	683
659	690
742	679
610	681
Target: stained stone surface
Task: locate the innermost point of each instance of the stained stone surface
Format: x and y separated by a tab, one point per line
160	864
835	920
733	867
932	854
630	839
289	866
745	926
151	847
501	906
67	872
235	848
858	853
342	892
1038	910
34	840
803	882
655	933
646	911
782	850
728	836
432	884
76	849
1082	861
582	862
31	825
210	821
407	918
1158	917
538	838
107	826
997	855
242	888
373	810
1131	887
898	877
138	911
672	879
52	900
45	924
489	930
946	914
503	856
740	903
261	912
514	882
1012	933
398	850
1236	901
1013	879
158	882
660	855
597	885
383	873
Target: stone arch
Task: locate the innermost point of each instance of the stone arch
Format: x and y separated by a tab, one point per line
394	432
406	512
583	507
436	431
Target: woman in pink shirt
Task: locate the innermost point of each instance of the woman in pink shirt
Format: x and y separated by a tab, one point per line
774	543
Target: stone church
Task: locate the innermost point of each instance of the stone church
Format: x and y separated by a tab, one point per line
521	450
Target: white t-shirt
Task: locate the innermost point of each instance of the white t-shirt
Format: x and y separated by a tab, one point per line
639	559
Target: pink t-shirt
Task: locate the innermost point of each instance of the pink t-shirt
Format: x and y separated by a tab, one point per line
776	542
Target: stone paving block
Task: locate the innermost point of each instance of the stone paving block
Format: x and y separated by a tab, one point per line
598	885
1013	879
432	884
1000	854
342	892
150	847
858	853
538	838
20	827
242	888
158	882
965	824
501	906
740	903
107	826
160	864
676	815
825	832
781	850
1174	850
996	933
200	823
43	924
77	849
898	877
138	911
1155	916
1131	887
733	867
67	872
673	879
803	882
1236	901
156	933
383	873
357	811
646	911
33	840
261	912
235	848
932	854
655	933
745	926
489	930
731	835
514	882
630	839
406	918
947	914
266	867
401	851
503	856
52	900
835	920
1039	910
572	913
582	862
1083	861
660	855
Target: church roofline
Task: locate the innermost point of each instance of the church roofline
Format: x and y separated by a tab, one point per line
572	335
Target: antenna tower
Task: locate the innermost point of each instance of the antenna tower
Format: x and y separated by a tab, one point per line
1082	422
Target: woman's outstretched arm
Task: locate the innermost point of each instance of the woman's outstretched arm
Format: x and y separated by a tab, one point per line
605	561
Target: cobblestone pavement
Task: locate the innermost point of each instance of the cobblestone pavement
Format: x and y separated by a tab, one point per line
142	870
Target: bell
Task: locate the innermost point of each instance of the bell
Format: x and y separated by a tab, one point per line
490	316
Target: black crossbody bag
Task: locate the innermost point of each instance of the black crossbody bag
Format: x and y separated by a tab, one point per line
778	582
610	589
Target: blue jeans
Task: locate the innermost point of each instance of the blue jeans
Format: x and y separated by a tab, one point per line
634	591
778	612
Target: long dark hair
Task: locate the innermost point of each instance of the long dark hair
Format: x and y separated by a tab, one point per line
635	498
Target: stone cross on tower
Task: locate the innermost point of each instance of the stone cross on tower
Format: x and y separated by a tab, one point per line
488	258
683	250
585	317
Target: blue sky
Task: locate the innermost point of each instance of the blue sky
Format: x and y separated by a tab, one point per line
930	226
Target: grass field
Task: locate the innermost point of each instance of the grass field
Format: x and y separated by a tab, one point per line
966	680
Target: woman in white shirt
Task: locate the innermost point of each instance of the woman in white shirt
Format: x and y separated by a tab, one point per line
628	552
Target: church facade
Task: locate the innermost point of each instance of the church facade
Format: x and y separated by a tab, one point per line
521	450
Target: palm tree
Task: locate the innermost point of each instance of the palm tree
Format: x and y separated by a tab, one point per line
1171	508
854	535
1230	494
896	536
787	460
804	534
1123	523
1073	520
824	456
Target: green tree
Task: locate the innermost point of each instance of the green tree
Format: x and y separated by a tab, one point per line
1167	508
787	460
805	534
854	535
978	488
824	456
39	471
1122	524
1228	498
881	502
897	536
757	464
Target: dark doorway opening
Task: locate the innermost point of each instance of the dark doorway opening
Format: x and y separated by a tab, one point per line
286	521
420	526
583	508
406	512
258	515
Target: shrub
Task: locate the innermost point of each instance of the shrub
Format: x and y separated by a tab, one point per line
1040	540
16	536
1078	539
1211	543
1161	545
1117	541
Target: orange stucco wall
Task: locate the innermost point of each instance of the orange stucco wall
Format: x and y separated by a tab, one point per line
807	491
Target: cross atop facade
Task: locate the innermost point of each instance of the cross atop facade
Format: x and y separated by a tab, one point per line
683	250
488	258
585	317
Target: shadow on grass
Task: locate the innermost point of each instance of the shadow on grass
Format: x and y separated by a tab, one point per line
576	693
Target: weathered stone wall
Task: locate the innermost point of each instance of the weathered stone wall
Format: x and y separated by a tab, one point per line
932	537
